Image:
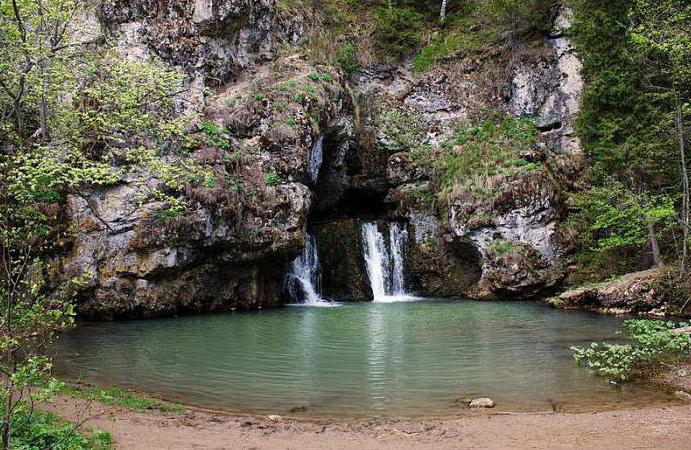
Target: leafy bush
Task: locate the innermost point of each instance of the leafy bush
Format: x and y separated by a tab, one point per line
42	430
653	342
346	58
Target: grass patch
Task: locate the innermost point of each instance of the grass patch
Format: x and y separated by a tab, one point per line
493	148
120	396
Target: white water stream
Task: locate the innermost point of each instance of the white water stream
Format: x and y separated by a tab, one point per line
303	280
385	265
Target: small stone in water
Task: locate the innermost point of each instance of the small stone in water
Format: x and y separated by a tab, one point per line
482	403
683	396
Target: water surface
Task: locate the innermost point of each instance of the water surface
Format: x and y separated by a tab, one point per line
382	359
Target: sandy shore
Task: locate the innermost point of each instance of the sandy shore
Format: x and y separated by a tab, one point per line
658	428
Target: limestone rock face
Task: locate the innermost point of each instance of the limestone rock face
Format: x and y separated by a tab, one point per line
520	272
129	263
548	85
215	38
230	249
520	212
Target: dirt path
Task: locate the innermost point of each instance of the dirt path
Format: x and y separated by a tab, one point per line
658	428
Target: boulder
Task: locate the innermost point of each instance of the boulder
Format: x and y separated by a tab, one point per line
644	292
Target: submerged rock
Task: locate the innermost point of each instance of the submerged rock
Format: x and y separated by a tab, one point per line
483	402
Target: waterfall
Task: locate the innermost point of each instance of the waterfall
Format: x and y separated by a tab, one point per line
303	281
398	237
316	156
376	259
385	266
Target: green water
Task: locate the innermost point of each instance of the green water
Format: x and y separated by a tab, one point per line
400	359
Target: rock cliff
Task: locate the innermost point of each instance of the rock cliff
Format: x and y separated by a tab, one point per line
255	91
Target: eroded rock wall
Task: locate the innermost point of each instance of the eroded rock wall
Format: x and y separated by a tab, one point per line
230	250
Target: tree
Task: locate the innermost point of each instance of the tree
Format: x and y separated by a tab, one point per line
71	117
517	17
616	216
28	318
35	37
442	13
660	39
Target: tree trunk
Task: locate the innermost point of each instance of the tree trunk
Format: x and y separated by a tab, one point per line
442	14
654	247
7	416
685	216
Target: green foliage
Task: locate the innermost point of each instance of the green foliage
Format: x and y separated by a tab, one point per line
321	76
119	396
346	58
42	430
502	247
626	114
438	50
654	342
403	130
517	18
272	179
616	217
215	136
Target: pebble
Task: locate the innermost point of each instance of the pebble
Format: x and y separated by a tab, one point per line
681	395
274	417
482	403
683	373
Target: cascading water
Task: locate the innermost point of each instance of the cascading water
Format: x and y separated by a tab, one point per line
303	280
316	157
398	236
386	268
376	259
